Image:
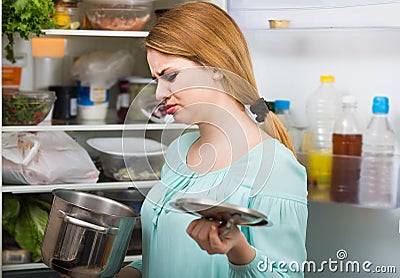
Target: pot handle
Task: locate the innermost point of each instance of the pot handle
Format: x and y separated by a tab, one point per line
78	222
226	227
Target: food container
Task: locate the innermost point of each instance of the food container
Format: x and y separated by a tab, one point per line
17	256
92	102
11	76
26	107
87	235
133	198
132	158
68	15
65	106
275	23
141	90
122	15
144	105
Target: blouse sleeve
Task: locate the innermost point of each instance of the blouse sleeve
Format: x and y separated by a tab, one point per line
280	248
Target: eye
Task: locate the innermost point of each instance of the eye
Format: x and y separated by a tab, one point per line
170	77
154	81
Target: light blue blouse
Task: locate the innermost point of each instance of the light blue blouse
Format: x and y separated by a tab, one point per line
268	179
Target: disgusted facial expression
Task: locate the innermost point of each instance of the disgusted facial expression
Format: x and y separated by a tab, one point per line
191	93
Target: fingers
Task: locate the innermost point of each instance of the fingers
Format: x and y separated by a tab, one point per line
215	241
200	230
191	226
206	233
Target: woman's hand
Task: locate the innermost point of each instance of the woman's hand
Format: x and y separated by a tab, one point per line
205	232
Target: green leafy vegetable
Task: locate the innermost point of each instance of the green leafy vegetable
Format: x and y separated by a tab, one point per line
25	17
11	209
25	218
30	228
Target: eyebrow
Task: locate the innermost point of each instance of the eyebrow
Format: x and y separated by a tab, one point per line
160	73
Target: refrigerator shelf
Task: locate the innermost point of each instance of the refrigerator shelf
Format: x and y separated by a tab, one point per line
32	266
20	189
95	127
327	29
96	33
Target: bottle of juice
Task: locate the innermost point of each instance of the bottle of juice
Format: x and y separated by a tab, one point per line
322	109
347	140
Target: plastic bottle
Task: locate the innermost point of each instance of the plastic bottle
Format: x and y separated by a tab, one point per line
347	141
282	111
377	188
322	109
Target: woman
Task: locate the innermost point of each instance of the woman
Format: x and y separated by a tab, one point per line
202	64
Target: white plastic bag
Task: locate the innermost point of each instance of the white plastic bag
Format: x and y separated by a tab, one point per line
45	158
101	68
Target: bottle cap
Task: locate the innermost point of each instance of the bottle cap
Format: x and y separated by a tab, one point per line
327	78
282	104
380	105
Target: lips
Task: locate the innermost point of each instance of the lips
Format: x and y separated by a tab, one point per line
170	108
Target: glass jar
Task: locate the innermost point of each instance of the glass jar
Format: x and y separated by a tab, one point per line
68	15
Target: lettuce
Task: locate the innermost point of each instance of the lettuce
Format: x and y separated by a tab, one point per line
11	209
29	229
26	221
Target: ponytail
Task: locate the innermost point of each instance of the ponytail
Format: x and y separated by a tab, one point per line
277	130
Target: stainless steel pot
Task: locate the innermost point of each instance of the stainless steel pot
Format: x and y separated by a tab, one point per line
87	235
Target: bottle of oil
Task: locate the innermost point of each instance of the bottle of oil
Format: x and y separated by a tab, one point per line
347	142
322	110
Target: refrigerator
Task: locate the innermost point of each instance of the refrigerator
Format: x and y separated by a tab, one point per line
357	42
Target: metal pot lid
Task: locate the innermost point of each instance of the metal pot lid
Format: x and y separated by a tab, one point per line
221	211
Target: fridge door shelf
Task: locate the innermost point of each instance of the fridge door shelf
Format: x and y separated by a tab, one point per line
336	179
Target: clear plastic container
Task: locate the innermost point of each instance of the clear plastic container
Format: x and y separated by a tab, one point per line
376	183
322	110
347	140
122	15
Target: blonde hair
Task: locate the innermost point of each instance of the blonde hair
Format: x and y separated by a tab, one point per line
205	34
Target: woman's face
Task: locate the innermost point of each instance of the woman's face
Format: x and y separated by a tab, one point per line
191	92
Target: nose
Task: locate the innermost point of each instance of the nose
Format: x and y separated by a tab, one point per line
162	91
